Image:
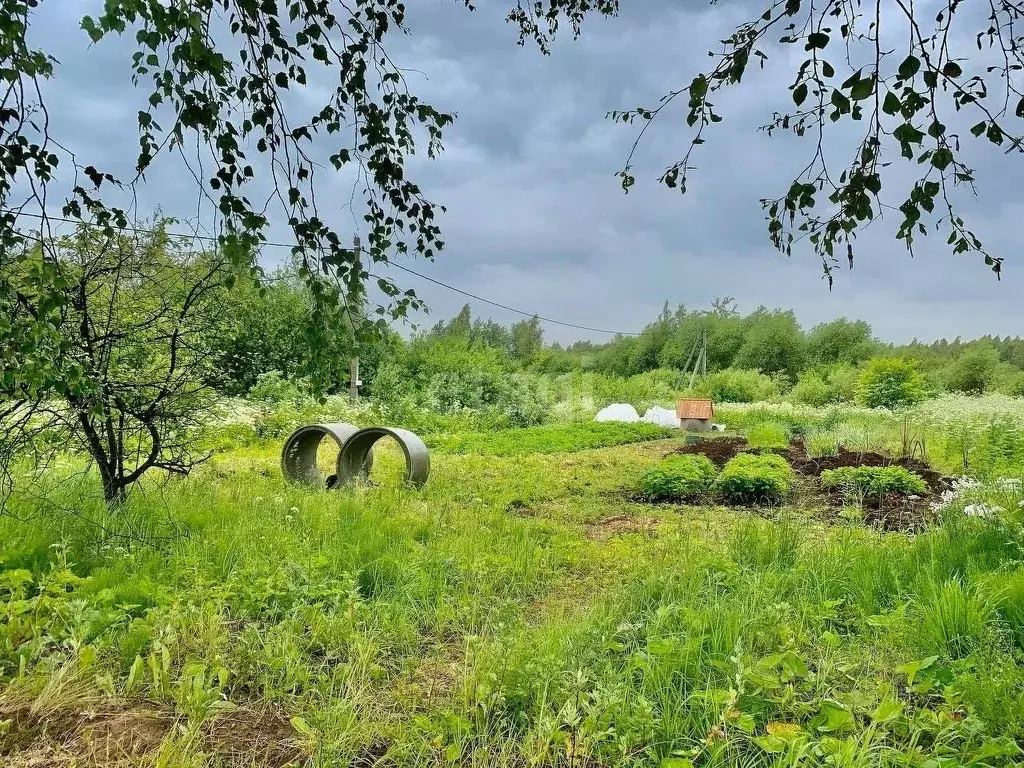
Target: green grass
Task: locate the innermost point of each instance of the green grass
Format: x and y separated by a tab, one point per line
519	610
768	435
555	438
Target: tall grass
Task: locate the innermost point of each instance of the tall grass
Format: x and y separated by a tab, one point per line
450	627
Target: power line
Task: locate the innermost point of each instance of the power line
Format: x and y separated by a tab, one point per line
389	263
512	309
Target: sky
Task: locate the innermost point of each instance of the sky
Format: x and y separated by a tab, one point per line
536	218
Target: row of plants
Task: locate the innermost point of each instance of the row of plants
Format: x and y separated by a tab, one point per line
747	478
766	478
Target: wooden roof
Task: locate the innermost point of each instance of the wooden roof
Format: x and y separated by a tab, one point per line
693	408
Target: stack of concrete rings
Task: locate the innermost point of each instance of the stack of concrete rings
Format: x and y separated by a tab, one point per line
355	454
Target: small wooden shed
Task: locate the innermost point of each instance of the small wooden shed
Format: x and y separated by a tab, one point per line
695	414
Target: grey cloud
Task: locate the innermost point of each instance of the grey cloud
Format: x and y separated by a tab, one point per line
536	218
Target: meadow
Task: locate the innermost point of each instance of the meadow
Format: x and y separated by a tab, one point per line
527	607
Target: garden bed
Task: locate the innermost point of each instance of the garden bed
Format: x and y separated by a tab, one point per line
720	450
892	513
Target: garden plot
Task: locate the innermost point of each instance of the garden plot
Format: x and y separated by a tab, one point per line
894	493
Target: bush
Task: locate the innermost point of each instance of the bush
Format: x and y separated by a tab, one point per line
975	370
842	382
524	400
678	477
876	481
1015	388
736	385
811	389
755	478
272	387
891	382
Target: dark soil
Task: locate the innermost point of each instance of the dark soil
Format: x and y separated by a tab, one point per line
804	465
721	449
521	508
718	449
248	736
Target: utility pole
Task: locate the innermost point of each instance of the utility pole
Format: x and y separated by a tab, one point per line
355	309
701	363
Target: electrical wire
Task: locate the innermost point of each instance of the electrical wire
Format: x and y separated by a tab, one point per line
420	275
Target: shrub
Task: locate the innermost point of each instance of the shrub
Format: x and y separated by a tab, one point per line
842	382
755	478
524	400
678	477
272	387
1015	387
877	481
768	435
974	371
891	382
736	385
811	389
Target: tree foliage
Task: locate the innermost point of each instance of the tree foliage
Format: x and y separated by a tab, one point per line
913	84
891	382
218	75
841	341
974	371
128	352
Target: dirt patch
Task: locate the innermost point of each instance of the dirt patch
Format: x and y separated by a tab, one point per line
108	736
261	737
520	508
434	679
898	514
371	755
617	525
721	449
718	449
894	514
127	735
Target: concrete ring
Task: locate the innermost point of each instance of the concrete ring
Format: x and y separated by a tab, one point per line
352	458
298	457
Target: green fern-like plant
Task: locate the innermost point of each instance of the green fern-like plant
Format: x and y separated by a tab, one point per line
755	478
679	478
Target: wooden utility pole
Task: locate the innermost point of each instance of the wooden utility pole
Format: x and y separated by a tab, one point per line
355	309
701	363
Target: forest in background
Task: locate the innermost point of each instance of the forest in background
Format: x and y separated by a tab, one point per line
474	363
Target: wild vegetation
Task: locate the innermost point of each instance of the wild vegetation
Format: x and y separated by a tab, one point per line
834	581
169	601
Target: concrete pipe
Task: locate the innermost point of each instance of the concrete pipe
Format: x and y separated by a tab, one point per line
352	459
298	457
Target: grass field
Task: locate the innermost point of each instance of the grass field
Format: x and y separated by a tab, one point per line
523	609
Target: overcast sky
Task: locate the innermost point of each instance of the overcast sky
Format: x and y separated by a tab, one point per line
536	218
